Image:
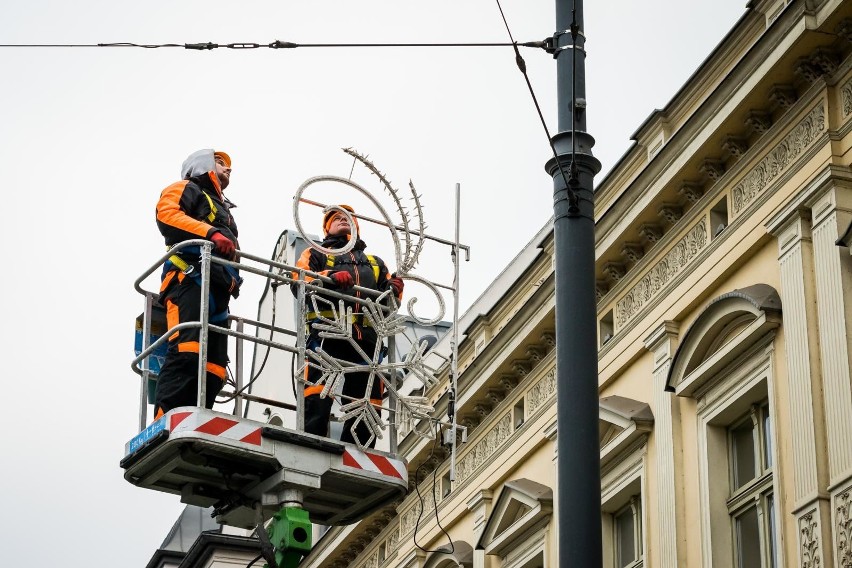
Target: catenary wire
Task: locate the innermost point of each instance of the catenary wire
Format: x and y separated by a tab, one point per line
573	198
277	44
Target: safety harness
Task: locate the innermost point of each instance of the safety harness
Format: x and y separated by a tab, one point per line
354	318
176	261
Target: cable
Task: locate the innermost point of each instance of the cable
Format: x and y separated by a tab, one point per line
434	498
573	198
252	563
277	44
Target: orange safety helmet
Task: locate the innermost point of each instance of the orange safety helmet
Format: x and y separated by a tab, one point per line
330	214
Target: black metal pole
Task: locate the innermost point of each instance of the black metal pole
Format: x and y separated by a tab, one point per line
578	463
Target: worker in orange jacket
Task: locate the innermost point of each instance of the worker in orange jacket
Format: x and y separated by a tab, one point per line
196	208
355	267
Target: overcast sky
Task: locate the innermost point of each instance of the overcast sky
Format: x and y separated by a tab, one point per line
90	136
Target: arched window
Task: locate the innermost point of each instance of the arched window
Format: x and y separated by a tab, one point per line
725	363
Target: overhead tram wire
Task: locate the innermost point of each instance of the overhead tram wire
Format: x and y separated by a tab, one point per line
550	47
277	44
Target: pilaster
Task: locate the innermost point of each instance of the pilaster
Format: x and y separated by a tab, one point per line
832	213
668	548
480	506
807	425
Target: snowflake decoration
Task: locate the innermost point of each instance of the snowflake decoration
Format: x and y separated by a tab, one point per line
333	320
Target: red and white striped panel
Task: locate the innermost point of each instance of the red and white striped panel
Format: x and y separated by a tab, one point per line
216	426
375	463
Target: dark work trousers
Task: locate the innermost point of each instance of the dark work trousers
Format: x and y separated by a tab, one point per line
318	410
177	384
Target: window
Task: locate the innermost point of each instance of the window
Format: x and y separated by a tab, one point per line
751	502
725	362
621	508
627	527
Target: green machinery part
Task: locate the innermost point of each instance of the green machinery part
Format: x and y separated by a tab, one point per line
290	534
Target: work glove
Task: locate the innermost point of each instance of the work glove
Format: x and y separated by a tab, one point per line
342	279
224	245
397	285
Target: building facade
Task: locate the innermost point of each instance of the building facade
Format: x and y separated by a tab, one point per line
724	310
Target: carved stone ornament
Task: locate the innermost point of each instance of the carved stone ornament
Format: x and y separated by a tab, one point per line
372	532
601	289
521	368
843	514
807	71
659	275
495	396
651	232
778	159
543	391
809	541
846	95
826	59
535	353
692	192
713	169
484	449
614	270
785	95
735	146
482	409
549	339
759	121
470	421
508	382
632	252
844	29
671	213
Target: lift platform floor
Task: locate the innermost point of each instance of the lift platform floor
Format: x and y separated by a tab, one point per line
218	460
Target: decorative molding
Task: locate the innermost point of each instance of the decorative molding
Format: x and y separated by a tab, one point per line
807	70
495	396
508	382
760	121
655	279
652	232
543	391
692	192
484	449
785	95
809	545
735	146
771	166
535	353
846	95
632	252
521	367
614	270
844	29
601	289
826	59
713	169
843	510
670	212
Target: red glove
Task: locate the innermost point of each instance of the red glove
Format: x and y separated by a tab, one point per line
224	245
397	284
342	279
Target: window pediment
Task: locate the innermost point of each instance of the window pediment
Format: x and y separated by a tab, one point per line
523	507
729	326
621	422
